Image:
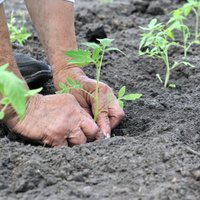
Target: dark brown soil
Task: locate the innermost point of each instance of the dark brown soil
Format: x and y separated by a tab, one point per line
153	154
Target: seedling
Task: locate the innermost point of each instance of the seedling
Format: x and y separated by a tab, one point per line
13	92
194	6
19	35
178	22
155	42
93	54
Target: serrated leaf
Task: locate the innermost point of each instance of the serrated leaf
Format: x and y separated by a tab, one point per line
131	97
79	57
114	49
79	53
80	63
121	104
121	92
91	45
106	42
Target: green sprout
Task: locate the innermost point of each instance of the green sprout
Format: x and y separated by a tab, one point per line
13	92
156	42
93	54
194	6
19	35
128	97
178	20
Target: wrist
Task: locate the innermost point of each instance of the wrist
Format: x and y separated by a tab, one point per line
65	71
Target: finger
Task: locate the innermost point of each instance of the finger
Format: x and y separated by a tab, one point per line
48	141
76	137
116	114
104	124
89	128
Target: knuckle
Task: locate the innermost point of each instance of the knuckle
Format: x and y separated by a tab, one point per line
120	115
94	131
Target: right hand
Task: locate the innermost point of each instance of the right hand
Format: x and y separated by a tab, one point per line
54	120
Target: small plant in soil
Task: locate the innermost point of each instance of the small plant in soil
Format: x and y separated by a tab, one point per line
13	92
156	40
178	22
193	6
94	54
18	35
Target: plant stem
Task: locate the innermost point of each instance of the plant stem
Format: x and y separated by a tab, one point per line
87	93
167	74
98	71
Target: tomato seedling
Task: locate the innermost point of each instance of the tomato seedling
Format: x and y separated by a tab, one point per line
93	54
19	35
178	22
13	92
155	42
193	6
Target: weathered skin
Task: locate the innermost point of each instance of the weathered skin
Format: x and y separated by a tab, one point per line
59	119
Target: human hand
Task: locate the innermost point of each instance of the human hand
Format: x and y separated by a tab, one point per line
54	120
110	114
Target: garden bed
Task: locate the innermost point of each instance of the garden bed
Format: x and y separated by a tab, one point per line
153	154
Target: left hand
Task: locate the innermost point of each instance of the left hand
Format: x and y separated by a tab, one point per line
110	114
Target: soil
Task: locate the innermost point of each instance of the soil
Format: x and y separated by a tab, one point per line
154	153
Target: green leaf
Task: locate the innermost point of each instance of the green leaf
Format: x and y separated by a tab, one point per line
3	67
96	54
79	57
61	85
152	23
121	104
79	53
70	81
106	42
114	49
5	101
91	45
1	115
33	92
172	85
131	97
121	92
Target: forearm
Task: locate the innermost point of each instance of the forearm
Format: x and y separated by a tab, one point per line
6	53
54	22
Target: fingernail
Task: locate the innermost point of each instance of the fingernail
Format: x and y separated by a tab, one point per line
107	136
